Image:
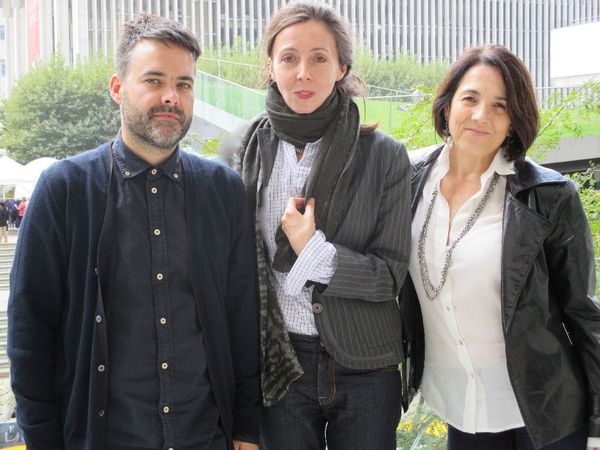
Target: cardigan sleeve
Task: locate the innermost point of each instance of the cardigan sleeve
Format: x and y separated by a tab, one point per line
377	273
570	256
34	311
242	312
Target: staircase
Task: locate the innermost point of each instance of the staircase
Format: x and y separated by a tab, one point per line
7	252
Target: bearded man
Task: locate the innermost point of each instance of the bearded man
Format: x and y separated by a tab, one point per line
132	314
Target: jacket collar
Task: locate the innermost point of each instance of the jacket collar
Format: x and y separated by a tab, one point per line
530	174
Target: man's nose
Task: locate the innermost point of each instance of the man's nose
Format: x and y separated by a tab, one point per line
170	96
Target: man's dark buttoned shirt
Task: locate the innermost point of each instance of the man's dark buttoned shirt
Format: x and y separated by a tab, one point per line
159	394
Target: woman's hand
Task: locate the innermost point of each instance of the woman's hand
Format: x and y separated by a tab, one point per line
239	445
299	228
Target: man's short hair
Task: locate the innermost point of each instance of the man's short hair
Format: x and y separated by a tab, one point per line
149	26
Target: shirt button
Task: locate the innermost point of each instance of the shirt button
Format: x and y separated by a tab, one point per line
154	190
101	413
153	172
175	175
101	368
126	173
96	270
166	409
164	366
159	276
163	321
156	232
317	308
99	318
460	342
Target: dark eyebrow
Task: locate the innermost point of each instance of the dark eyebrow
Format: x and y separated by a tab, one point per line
475	92
156	73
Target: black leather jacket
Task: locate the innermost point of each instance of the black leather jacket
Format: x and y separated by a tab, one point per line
550	315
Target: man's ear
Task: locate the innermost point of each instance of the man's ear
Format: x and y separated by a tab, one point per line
115	88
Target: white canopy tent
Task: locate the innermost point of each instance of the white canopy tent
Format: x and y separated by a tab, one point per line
22	177
11	172
32	170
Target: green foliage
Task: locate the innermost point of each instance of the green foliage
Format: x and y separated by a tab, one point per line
414	125
245	68
57	110
403	73
421	429
590	199
209	148
565	116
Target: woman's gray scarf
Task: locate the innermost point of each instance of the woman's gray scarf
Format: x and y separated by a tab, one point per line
336	121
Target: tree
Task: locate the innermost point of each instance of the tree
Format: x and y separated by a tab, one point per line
58	110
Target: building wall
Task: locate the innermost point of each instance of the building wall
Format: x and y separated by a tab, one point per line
431	29
3	69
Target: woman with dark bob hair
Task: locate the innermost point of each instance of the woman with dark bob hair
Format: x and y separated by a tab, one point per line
332	205
500	319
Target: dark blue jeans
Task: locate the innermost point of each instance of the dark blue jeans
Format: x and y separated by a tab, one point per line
515	439
344	408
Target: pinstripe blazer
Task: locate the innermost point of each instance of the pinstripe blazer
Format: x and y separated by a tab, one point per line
357	313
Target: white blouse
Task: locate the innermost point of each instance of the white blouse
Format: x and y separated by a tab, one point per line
465	378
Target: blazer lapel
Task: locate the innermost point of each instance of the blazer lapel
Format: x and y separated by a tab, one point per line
420	174
523	234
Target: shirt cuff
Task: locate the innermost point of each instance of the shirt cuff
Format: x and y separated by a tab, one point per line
317	262
593	442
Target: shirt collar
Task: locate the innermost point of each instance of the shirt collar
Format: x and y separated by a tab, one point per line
500	164
308	155
130	165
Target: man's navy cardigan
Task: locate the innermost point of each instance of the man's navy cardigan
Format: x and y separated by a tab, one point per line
57	329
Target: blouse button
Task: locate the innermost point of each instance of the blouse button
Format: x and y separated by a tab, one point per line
154	190
159	276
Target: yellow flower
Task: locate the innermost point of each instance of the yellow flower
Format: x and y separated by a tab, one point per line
436	428
405	425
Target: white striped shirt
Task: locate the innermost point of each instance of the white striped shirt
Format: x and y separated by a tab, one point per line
316	262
